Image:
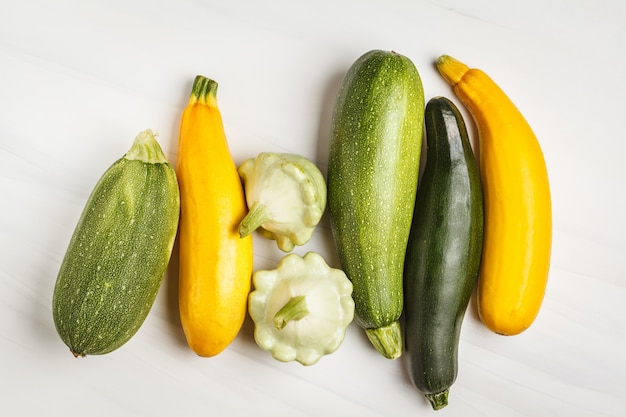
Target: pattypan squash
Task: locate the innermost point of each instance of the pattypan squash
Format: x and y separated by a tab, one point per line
286	197
301	309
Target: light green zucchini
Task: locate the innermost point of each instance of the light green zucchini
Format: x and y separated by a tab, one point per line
373	169
119	251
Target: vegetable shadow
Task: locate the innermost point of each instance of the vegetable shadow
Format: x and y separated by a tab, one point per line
325	118
327	105
170	285
472	308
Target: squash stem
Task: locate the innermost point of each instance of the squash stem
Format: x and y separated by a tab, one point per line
387	340
146	149
294	310
204	91
451	69
438	400
253	220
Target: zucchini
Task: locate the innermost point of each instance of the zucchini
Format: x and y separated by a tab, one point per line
119	251
443	254
373	168
517	246
215	262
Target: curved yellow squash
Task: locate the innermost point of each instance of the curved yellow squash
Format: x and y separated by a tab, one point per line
518	214
215	263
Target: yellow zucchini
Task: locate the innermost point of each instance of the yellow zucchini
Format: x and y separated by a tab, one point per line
518	212
215	270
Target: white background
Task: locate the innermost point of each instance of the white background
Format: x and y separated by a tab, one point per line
78	81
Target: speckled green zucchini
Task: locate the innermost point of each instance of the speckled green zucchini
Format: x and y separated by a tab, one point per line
118	254
372	179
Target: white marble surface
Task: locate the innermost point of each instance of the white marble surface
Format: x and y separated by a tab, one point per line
78	80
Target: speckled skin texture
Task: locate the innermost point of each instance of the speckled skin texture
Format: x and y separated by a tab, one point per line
372	178
117	257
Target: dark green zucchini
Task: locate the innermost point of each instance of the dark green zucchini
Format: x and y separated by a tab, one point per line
443	253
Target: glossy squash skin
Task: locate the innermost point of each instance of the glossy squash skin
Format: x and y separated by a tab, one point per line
443	253
215	269
518	212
